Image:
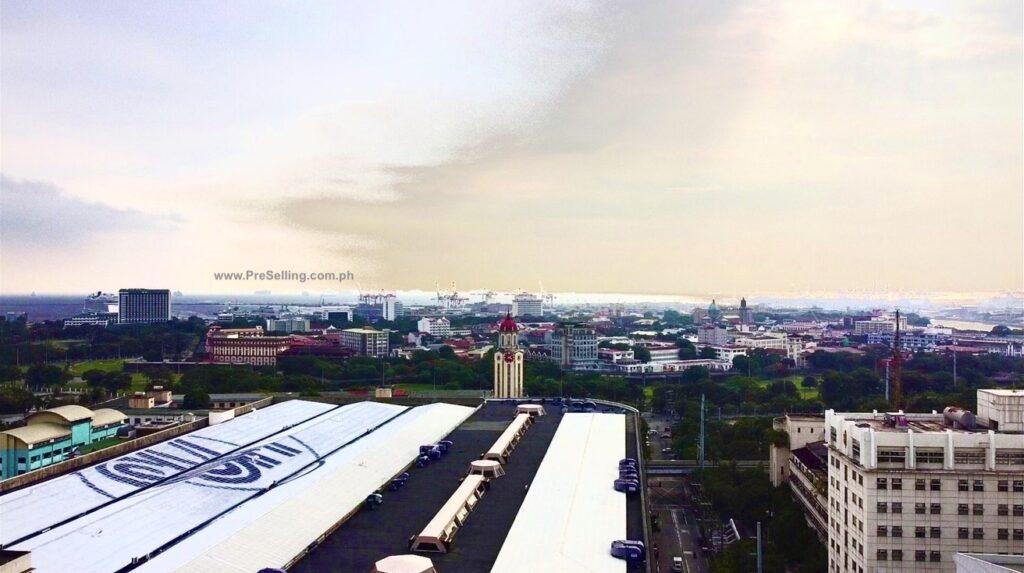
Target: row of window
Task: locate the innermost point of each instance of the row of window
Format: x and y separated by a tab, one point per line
961	508
936	532
960	456
897	555
962	485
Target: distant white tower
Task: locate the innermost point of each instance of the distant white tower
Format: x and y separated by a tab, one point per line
508	361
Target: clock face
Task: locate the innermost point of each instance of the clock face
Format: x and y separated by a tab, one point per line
509	357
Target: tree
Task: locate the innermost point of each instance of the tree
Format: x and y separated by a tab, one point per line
15	400
708	352
196	399
641	353
687	351
446	353
1001	330
809	382
40	375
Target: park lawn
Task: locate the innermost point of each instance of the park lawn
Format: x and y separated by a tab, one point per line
111	365
797	380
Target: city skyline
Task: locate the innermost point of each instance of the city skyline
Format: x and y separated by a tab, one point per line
737	147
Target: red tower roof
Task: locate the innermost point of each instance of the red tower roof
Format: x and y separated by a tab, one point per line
508	324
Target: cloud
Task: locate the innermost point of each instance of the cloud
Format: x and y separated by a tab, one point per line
40	214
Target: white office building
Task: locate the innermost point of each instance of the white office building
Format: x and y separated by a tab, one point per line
906	492
435	326
526	304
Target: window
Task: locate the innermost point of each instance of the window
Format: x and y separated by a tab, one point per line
1011	457
1003	534
961	485
881	483
21	459
1018	485
969	456
936	508
979	533
1003	509
897	507
883	507
961	509
934	556
979	485
919	485
883	531
936	532
932	456
897	483
897	555
1003	485
920	555
892	456
963	533
1018	534
882	555
855	449
936	484
919	532
1018	510
919	508
979	509
897	531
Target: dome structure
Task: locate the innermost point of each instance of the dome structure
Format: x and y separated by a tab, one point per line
508	324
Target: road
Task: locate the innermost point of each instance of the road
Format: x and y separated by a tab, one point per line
678	532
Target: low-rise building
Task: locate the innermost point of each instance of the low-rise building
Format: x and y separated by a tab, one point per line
729	352
51	436
435	326
244	346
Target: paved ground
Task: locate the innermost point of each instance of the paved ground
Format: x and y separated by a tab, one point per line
373	534
678	535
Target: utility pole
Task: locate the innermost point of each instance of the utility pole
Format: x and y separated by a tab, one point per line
700	446
897	366
954	364
760	563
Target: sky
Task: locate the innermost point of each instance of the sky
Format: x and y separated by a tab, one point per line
656	147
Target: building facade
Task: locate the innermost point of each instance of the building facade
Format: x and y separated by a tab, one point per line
908	491
712	334
366	341
508	361
287	325
526	304
143	305
746	316
574	346
245	346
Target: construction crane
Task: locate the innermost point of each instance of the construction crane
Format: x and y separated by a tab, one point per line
487	296
452	300
547	299
375	298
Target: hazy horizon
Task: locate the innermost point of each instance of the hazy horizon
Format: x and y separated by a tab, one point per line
737	147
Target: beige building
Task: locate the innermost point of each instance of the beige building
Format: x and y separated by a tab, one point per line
802	464
908	491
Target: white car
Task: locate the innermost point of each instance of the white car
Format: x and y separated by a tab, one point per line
677	564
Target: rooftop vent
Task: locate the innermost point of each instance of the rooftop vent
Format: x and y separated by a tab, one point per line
959	418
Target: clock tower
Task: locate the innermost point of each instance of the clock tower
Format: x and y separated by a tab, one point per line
508	361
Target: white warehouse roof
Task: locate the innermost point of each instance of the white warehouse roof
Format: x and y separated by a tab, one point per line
151	520
53	501
556	529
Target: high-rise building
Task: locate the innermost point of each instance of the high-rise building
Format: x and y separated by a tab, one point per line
574	346
908	491
508	361
525	304
288	325
366	341
143	305
712	334
387	308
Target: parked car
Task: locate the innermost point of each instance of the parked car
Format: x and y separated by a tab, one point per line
631	550
677	564
627	485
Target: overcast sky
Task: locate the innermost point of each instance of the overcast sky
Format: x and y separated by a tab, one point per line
656	147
